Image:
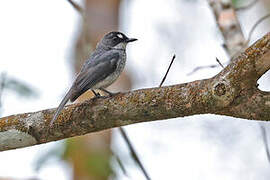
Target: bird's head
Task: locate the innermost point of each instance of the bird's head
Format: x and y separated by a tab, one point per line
116	40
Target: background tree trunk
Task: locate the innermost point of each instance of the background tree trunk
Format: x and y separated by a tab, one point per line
90	154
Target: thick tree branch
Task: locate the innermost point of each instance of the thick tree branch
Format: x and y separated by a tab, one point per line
232	92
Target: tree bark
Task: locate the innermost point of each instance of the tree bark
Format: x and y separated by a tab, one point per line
233	92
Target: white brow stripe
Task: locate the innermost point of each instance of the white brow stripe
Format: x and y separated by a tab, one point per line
120	36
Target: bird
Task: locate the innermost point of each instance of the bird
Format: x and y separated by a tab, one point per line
100	70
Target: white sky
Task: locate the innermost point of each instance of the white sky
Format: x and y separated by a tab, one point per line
36	41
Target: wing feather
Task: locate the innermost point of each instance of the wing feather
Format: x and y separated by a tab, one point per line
95	72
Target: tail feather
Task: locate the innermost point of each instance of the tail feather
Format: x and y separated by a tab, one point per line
61	106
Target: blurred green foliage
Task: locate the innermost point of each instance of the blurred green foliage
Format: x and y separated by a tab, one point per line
18	87
94	162
238	3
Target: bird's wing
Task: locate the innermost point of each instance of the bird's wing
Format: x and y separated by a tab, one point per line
96	71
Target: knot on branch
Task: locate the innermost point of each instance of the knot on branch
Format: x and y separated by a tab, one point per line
223	92
220	89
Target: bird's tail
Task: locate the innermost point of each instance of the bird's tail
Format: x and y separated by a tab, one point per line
61	106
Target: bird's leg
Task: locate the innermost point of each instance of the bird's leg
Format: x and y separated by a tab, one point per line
96	94
108	92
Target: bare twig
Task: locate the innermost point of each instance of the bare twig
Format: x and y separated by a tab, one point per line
265	141
203	67
248	6
124	135
122	167
2	87
133	153
165	76
246	43
76	6
219	63
255	26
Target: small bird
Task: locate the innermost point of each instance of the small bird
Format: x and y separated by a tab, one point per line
103	67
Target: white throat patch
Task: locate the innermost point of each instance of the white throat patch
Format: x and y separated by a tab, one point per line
121	45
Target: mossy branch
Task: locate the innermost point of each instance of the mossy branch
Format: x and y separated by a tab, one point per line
232	92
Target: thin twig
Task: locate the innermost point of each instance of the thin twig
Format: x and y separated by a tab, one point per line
122	167
245	7
123	133
209	66
76	6
250	34
219	63
164	78
255	26
125	136
133	153
246	43
203	67
265	141
2	86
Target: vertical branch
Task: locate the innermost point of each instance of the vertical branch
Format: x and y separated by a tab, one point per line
229	26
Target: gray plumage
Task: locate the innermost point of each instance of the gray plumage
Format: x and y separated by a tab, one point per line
102	68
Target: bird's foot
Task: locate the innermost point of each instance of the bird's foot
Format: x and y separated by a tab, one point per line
97	94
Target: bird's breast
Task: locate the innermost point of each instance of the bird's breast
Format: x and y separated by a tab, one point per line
113	77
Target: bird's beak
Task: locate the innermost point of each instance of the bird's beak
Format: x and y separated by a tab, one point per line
131	40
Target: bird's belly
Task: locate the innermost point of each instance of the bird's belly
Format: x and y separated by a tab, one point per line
107	81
